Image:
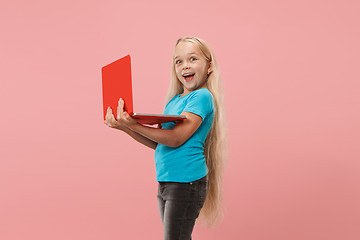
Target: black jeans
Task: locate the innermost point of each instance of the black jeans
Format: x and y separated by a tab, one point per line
179	205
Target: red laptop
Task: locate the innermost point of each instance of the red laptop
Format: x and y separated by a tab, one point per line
116	83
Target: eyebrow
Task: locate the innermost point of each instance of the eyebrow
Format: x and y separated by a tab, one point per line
192	53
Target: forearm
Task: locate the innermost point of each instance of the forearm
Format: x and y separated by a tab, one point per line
141	139
163	136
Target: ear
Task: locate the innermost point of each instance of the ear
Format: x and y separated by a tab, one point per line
209	69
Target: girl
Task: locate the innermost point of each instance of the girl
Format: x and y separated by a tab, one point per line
189	154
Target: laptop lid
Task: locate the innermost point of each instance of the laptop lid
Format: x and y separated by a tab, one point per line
116	83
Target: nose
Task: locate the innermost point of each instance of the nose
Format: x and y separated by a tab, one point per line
186	65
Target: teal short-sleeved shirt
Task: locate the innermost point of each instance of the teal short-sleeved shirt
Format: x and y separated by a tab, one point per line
186	163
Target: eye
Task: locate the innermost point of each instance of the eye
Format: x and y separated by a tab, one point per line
192	59
177	61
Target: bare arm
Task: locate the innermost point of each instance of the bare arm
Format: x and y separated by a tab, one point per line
111	122
150	136
170	137
141	139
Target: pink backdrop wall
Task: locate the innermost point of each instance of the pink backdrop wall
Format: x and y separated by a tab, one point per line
291	77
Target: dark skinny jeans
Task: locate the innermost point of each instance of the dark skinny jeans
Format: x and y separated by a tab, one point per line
179	205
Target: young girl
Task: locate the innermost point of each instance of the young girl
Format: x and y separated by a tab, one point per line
189	154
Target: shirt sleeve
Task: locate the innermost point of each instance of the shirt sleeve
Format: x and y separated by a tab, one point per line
200	103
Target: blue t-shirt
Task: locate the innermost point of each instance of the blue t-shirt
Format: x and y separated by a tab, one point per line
186	163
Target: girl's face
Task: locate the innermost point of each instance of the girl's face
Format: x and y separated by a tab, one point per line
190	66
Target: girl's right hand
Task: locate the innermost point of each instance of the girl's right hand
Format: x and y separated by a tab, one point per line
110	118
111	121
123	121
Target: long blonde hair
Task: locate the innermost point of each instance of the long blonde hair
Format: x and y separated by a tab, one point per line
215	143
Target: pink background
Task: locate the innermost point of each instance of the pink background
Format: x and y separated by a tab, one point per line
291	78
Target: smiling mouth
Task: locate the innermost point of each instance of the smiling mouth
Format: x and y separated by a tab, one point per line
189	76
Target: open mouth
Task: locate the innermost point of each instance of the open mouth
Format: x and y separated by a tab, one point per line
188	76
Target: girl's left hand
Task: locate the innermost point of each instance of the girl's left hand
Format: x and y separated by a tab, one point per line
123	121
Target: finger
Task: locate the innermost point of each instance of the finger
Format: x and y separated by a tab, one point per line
119	109
108	116
107	119
121	104
110	119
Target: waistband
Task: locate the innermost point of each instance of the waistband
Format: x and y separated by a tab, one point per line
203	179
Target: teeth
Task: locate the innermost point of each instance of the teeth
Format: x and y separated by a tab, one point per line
188	74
